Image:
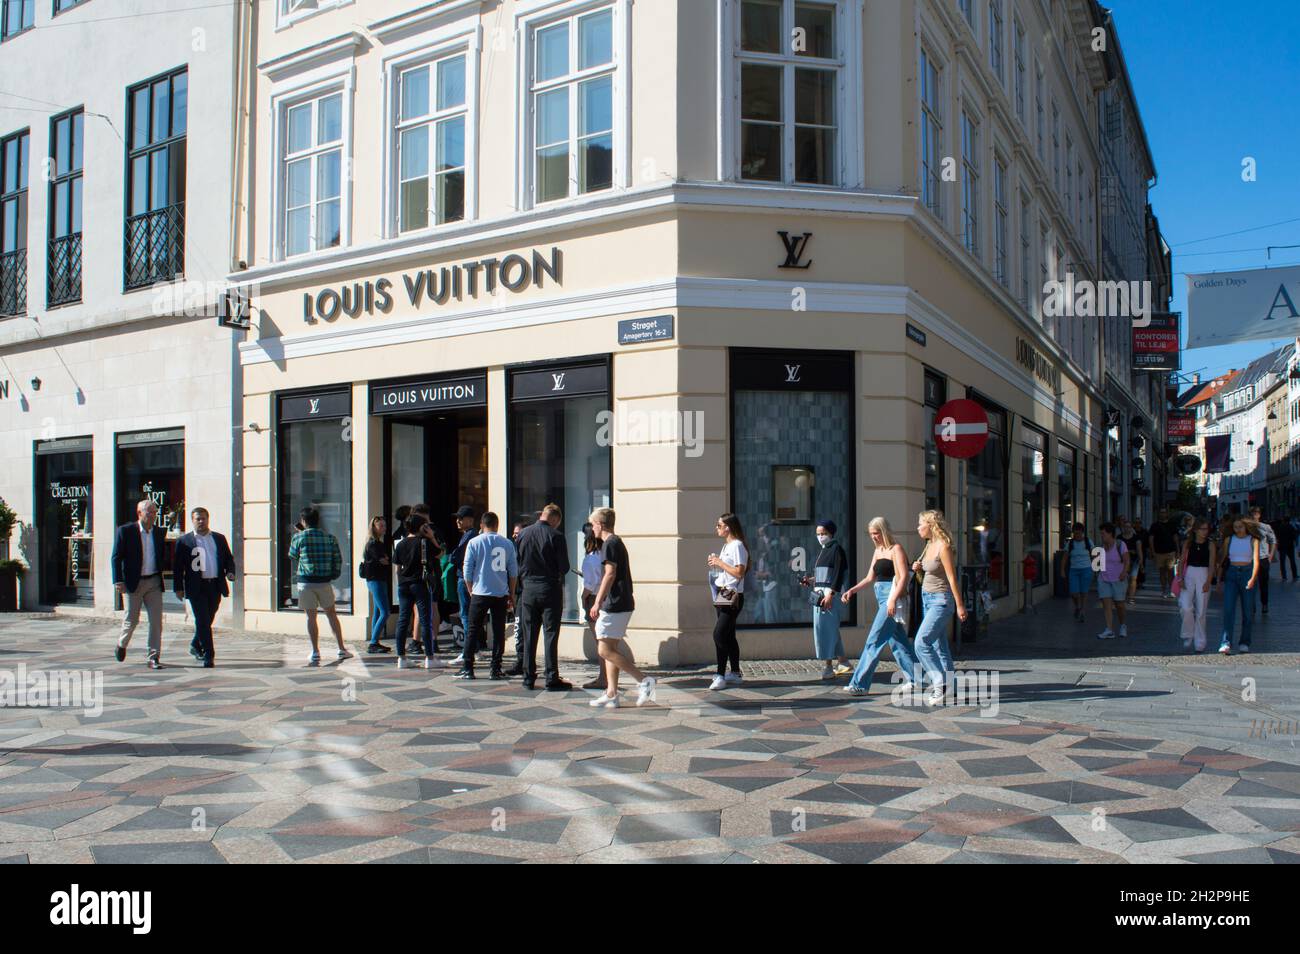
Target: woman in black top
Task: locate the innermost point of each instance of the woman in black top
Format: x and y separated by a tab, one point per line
830	576
1199	560
416	558
375	569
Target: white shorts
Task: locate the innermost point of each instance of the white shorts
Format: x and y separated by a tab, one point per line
612	625
315	596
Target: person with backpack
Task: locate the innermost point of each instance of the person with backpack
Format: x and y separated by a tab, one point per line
1112	581
727	585
374	569
414	556
1077	566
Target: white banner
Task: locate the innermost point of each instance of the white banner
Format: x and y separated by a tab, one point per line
1224	307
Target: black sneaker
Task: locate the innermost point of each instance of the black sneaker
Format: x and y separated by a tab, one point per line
559	686
196	653
515	670
497	675
464	674
120	653
207	664
376	649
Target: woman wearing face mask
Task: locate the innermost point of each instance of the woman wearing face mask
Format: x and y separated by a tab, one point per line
1239	575
888	577
940	596
1198	561
830	573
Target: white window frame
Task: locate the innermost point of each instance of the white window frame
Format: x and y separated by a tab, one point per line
1039	108
1001	221
311	88
1020	65
427	50
996	44
850	173
972	161
925	55
1056	147
1069	178
967	10
289	12
1026	247
530	17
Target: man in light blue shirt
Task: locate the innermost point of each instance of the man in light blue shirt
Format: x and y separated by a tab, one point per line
491	571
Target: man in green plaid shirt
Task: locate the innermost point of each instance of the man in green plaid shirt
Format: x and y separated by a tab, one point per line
316	561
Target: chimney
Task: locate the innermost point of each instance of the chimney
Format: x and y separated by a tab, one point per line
1196	378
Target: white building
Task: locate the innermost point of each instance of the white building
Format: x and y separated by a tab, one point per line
116	140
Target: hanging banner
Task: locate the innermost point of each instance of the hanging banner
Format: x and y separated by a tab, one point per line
1155	345
1262	303
1218	453
1180	427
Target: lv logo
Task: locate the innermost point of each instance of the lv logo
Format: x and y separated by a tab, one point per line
559	381
795	246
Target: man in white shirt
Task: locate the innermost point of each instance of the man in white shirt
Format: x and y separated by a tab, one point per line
202	567
137	574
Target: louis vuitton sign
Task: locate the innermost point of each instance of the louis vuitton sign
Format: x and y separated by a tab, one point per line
433	288
465	390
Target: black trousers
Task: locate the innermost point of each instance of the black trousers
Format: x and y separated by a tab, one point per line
540	609
1264	567
1285	555
204	604
724	636
476	630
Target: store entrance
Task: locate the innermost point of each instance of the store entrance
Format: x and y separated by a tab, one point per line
438	458
64	495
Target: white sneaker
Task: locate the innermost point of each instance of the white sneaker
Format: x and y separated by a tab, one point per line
401	663
907	687
1106	634
646	693
733	679
344	654
719	682
936	694
855	690
828	672
603	701
313	659
432	663
458	661
1123	631
1225	649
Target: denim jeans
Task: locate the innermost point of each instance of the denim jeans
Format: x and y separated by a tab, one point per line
885	631
380	609
413	594
1235	579
932	637
827	642
462	596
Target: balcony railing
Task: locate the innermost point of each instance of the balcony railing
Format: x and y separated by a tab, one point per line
155	247
63	270
13	283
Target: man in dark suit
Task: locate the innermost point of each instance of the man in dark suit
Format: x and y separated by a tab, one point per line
543	568
137	563
200	571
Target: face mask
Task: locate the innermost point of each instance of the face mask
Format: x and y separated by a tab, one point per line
823	538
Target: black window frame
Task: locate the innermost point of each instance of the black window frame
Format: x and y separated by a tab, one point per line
940	382
63	257
165	225
13	262
1044	493
995	412
1067	454
5	35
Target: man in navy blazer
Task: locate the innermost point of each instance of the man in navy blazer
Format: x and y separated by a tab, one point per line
202	565
137	563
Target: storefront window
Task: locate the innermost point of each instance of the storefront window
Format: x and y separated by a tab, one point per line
1033	483
151	465
315	468
560	436
1067	491
792	466
986	478
64	496
936	391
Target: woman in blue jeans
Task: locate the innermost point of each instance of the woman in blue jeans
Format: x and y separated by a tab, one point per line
414	555
377	566
1240	573
888	577
940	596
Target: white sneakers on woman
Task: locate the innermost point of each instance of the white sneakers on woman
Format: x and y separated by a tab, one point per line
719	682
604	701
645	694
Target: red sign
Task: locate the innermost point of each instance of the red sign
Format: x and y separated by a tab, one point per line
961	428
1156	344
1181	427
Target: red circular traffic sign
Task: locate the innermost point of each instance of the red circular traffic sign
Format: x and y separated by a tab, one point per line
961	428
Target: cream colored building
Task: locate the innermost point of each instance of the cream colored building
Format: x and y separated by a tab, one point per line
678	257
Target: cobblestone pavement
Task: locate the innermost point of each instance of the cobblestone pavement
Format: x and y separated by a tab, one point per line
1096	752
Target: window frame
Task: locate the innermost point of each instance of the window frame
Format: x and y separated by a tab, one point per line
134	152
849	154
1020	79
972	163
933	202
1026	248
310	89
1001	220
996	42
75	174
21	196
460	41
5	35
529	22
286	17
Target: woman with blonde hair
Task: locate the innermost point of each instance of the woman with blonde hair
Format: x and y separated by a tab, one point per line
888	577
940	596
1239	574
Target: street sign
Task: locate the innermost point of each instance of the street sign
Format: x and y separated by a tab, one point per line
961	428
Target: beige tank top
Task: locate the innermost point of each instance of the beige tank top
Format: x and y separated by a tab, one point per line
935	581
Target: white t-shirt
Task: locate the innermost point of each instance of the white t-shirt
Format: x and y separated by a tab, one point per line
733	554
592	572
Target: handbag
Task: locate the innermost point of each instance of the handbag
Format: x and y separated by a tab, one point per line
1176	588
725	596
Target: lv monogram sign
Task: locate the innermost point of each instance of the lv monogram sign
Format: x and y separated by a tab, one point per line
795	246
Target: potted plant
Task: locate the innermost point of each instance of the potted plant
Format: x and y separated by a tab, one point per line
10	570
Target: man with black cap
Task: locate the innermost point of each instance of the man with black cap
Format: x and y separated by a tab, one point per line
465	524
543	568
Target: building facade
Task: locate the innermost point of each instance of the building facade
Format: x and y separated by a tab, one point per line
680	259
117	237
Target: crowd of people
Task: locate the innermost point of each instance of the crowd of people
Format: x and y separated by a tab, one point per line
487	577
1192	558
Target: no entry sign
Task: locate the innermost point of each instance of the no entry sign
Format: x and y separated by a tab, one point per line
961	428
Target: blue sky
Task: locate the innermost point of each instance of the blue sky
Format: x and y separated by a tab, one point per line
1217	82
